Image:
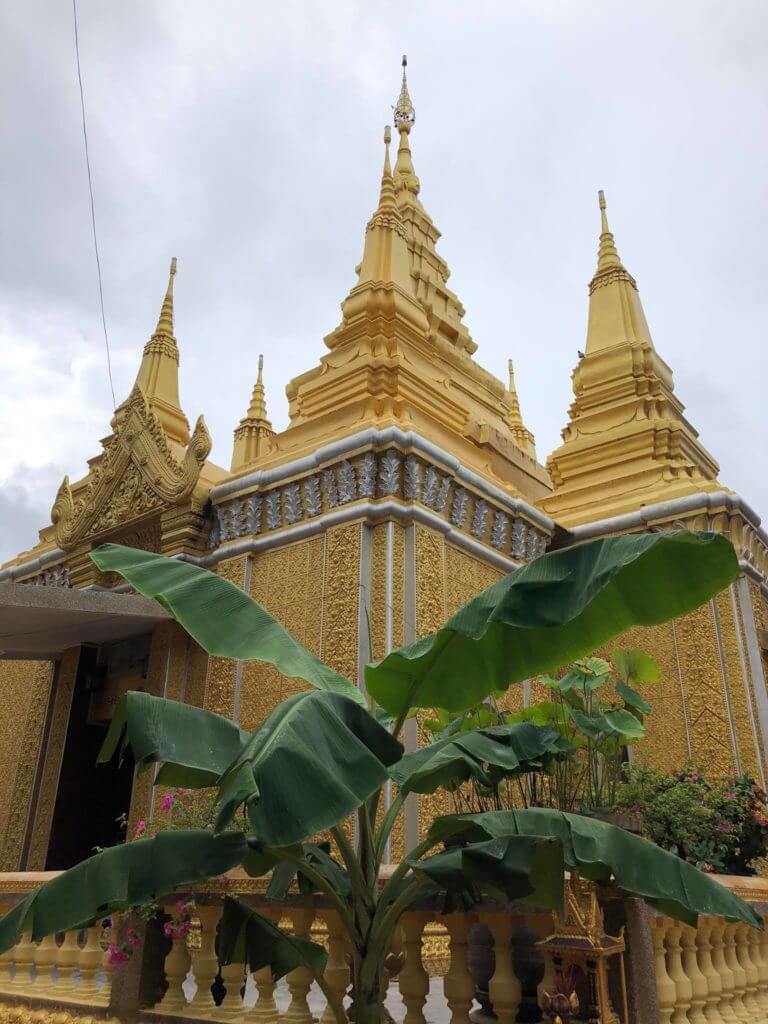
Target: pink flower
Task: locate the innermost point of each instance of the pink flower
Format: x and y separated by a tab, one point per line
709	868
167	929
141	828
115	955
167	803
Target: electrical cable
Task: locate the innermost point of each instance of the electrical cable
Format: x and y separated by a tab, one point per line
93	208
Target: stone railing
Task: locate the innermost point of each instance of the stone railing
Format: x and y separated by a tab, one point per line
441	967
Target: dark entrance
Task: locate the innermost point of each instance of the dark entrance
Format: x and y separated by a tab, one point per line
93	800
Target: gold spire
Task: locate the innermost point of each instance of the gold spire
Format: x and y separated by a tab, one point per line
385	256
607	255
404	113
158	375
255	429
518	429
627	442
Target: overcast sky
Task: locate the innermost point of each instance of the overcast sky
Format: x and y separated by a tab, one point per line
245	139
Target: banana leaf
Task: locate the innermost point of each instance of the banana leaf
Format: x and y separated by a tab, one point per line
557	608
248	938
525	868
123	876
451	760
605	853
316	759
219	616
194	747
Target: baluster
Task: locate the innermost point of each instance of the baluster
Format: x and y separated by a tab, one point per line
66	958
299	980
89	959
665	987
336	971
413	980
739	976
743	955
458	986
205	964
757	945
698	982
7	961
24	954
177	964
44	959
548	982
233	979
725	1006
714	983
265	1011
504	987
682	983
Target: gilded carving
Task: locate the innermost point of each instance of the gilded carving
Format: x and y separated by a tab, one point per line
288	582
341	598
136	474
25	688
377	592
742	713
220	684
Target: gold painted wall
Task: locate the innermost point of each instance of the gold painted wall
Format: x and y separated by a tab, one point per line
25	688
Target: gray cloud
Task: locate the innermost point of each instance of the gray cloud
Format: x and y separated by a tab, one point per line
246	140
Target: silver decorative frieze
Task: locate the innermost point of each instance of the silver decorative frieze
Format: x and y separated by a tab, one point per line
499	531
312	500
366	475
274	510
330	489
412	481
347	483
459	507
479	518
389	473
382	474
56	576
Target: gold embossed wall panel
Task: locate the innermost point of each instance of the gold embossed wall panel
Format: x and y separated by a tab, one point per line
25	688
743	707
378	589
341	598
288	582
64	687
220	684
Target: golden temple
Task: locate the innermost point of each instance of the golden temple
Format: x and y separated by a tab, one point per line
405	482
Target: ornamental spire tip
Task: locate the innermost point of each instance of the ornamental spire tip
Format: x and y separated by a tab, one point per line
405	114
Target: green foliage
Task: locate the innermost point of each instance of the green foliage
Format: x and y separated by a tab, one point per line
323	755
719	825
598	715
557	608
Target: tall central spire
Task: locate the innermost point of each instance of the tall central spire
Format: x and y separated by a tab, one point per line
158	375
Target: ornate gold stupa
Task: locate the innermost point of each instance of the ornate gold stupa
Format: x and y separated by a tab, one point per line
405	482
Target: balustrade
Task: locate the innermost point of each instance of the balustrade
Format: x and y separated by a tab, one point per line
715	973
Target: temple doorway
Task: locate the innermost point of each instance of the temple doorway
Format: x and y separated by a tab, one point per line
92	801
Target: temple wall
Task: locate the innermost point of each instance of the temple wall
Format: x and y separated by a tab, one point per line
25	690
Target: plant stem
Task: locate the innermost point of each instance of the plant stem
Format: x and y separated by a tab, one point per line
325	887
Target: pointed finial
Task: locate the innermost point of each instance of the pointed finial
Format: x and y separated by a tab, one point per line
607	255
257	410
165	321
387	140
511	369
405	115
259	376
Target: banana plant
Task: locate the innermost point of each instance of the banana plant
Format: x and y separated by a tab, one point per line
322	761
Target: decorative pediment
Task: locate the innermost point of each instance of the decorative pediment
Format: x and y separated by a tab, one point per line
138	474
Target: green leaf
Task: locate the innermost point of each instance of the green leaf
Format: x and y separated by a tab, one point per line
123	876
624	724
632	698
525	868
195	747
507	749
555	609
603	853
219	616
248	938
636	666
316	759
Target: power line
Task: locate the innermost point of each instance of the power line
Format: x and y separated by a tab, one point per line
93	208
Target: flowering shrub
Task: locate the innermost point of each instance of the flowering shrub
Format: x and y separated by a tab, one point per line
179	924
120	953
179	809
719	825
